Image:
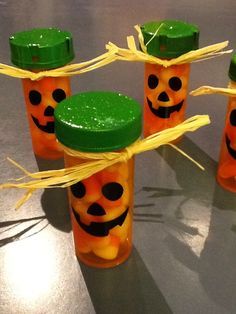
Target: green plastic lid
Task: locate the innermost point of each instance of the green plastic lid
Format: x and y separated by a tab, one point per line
41	48
98	121
232	68
170	38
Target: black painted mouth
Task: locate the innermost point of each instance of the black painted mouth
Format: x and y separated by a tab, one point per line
164	112
48	128
100	229
231	151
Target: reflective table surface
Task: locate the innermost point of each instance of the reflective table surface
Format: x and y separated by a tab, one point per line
183	259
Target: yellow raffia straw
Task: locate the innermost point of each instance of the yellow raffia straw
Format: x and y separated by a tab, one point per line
98	161
204	90
133	54
68	70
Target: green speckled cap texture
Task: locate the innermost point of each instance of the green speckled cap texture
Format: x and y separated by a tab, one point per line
41	48
232	68
170	38
98	121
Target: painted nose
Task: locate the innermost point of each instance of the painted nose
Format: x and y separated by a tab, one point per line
96	210
49	111
163	97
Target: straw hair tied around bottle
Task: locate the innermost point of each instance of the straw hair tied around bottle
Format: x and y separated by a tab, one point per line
67	70
96	162
133	54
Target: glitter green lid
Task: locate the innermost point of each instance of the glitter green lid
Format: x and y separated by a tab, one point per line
98	121
170	38
41	48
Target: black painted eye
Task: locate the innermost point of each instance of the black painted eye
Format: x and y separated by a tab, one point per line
58	94
175	83
78	189
35	97
152	81
112	191
232	117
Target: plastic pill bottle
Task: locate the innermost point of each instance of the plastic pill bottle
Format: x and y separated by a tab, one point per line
101	205
226	173
165	88
40	50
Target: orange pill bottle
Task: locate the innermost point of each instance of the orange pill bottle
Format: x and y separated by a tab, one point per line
226	172
38	50
165	89
101	205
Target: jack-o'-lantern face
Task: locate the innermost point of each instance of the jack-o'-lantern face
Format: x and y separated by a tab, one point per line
227	162
166	89
100	203
41	98
101	212
35	98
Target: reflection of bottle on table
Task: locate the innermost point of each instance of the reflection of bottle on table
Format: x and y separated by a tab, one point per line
165	89
226	174
102	204
37	50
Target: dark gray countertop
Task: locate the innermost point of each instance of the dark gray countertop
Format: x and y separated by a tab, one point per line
184	253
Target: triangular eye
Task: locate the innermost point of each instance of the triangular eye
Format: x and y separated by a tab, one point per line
58	95
175	83
35	97
78	190
232	117
112	191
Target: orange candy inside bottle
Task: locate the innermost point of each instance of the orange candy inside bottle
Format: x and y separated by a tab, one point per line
101	214
226	173
165	91
41	98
